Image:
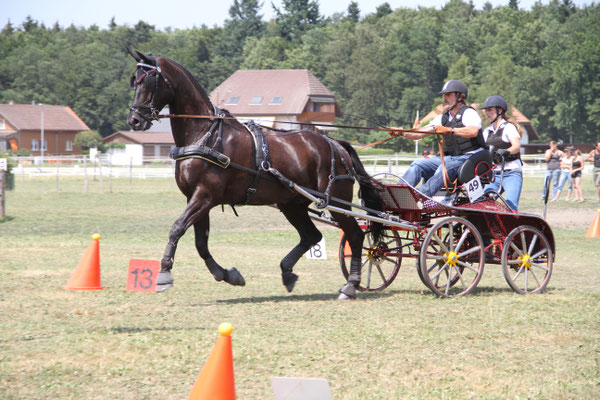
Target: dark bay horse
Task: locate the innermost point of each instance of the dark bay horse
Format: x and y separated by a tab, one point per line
227	171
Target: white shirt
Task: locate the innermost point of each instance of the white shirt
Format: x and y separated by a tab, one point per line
509	132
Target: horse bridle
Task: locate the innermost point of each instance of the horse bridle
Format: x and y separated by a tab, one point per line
150	76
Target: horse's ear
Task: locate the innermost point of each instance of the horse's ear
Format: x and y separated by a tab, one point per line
146	58
134	55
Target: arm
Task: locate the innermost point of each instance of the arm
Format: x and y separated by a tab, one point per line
590	156
547	155
415	135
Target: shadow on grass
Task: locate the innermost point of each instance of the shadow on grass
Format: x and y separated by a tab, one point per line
134	329
316	297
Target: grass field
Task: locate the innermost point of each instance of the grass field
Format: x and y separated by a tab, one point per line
401	343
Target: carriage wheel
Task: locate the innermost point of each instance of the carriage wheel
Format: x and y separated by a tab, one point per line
527	260
452	257
380	262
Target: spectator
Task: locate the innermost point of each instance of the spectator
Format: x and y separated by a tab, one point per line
552	157
565	174
595	157
576	170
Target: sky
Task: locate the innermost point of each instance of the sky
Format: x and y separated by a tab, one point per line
183	14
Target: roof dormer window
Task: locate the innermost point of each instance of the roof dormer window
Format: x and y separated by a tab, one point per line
256	100
276	100
232	100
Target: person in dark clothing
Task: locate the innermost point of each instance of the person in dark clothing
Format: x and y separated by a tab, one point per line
552	157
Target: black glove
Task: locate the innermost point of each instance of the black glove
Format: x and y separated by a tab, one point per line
500	155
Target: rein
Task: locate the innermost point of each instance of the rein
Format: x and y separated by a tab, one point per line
365	128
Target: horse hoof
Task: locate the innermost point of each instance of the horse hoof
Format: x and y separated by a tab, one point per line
344	296
164	281
289	280
234	277
347	292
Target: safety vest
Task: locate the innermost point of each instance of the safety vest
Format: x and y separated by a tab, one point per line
456	145
495	139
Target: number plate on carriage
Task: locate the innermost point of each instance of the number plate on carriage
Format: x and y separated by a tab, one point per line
474	189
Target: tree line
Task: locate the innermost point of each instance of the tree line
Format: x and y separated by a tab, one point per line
382	67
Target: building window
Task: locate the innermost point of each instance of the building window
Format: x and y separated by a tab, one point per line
232	100
256	100
276	100
69	145
2	124
35	144
316	107
45	145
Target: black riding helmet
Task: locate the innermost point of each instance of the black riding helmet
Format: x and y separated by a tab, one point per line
495	101
455	85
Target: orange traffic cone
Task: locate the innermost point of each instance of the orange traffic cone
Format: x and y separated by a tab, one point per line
87	274
347	251
594	230
215	381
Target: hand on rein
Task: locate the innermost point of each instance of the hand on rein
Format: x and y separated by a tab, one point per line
395	132
443	129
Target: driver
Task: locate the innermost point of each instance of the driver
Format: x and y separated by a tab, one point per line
462	126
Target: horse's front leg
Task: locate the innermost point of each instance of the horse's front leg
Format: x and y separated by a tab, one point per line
197	208
165	279
231	276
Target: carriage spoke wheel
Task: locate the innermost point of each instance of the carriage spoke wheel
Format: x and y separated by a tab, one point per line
452	257
380	262
527	260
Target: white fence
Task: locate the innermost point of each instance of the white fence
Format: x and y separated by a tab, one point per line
165	168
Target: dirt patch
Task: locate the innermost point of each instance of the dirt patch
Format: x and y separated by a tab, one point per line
576	216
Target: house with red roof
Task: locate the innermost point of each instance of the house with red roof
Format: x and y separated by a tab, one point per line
40	128
278	98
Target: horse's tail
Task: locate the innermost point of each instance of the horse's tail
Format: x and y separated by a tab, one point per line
368	189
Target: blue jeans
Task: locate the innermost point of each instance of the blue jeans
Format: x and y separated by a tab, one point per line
553	175
430	169
512	182
564	176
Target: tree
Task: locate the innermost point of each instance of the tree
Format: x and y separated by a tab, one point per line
244	22
87	139
514	4
353	12
297	17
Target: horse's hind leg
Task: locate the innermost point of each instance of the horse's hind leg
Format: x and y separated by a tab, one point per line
297	215
231	276
355	237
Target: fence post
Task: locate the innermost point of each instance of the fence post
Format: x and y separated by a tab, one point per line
57	165
110	172
99	155
85	177
2	193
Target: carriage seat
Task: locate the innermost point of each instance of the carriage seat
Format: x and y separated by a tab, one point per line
480	164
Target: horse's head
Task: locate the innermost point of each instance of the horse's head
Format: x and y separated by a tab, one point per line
152	91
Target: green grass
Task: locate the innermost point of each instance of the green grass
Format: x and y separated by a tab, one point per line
399	343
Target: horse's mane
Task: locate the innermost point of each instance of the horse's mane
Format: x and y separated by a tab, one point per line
188	74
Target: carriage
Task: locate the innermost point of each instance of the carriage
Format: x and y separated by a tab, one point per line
221	161
452	237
